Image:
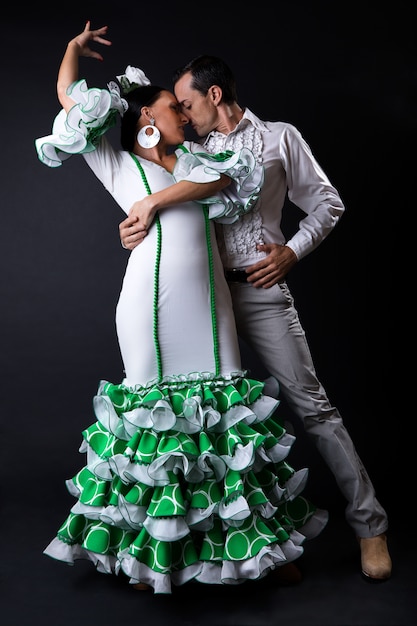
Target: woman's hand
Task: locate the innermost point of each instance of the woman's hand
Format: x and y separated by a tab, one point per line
77	47
134	228
144	211
83	41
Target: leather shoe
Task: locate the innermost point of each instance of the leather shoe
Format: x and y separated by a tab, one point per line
375	559
142	587
287	575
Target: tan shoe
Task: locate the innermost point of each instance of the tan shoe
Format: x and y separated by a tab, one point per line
142	587
375	559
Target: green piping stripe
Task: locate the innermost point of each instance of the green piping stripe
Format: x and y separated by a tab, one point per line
156	275
212	291
212	287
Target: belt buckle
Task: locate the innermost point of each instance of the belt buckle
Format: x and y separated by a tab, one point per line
236	276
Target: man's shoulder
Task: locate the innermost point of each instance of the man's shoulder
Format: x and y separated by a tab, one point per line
277	126
280	126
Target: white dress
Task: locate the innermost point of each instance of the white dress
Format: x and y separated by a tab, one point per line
185	476
187	268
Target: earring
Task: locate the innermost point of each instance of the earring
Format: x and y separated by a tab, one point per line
149	135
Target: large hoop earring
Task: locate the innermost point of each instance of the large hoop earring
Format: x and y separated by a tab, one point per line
148	139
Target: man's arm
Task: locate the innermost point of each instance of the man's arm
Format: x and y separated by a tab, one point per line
131	232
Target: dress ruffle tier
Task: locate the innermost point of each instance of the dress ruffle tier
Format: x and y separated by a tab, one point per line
187	480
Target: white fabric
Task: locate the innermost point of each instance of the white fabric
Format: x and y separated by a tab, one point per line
287	160
184	317
185	328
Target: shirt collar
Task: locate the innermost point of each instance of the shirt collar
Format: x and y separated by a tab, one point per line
251	118
247	119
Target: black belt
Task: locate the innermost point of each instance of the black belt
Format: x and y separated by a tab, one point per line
236	276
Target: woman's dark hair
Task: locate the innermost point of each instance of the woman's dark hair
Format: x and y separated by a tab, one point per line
206	71
140	97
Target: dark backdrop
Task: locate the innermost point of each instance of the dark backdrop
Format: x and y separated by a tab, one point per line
345	75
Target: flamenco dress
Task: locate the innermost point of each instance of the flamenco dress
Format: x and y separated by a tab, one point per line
186	476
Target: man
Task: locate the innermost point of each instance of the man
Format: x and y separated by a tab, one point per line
257	259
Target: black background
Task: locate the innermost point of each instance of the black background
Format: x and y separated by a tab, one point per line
345	74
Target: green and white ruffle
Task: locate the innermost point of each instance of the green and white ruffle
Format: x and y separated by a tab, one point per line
241	166
187	480
79	130
96	110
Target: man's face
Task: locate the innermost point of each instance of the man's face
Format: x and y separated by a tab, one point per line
199	109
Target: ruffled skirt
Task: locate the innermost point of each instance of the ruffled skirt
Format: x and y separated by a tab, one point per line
187	480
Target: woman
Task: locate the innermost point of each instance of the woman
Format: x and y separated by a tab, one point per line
186	476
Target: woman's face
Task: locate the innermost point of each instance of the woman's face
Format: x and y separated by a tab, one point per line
169	119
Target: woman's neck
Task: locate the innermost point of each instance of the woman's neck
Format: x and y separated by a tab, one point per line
161	158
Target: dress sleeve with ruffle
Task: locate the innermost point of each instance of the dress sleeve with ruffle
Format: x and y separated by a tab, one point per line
95	111
236	199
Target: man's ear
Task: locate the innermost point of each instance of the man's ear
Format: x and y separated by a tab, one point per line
216	94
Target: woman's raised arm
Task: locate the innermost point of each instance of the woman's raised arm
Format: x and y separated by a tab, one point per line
77	47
